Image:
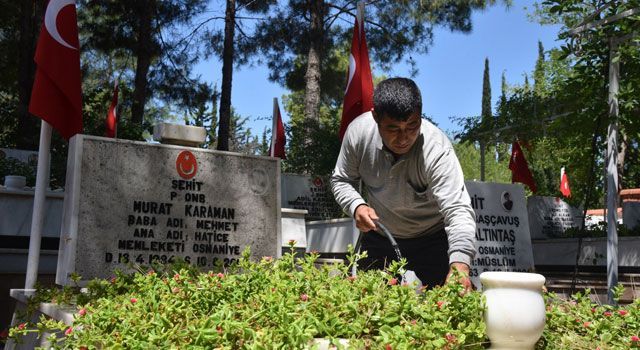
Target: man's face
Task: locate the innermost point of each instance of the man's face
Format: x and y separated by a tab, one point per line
397	135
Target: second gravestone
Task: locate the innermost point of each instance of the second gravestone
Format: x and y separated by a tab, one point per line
138	203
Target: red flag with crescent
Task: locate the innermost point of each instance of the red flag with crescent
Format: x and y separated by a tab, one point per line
564	183
57	94
278	140
111	123
358	97
520	168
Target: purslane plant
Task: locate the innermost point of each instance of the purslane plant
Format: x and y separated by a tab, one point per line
269	304
285	303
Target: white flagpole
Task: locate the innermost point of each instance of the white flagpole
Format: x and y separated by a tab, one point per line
37	218
274	128
360	17
115	111
356	231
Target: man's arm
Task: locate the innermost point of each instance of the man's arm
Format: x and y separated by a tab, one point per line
346	175
447	184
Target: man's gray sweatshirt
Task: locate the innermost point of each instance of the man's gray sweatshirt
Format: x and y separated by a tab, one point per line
416	194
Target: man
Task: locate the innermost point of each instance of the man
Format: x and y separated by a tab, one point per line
414	186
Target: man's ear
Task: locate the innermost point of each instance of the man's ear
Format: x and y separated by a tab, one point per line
376	117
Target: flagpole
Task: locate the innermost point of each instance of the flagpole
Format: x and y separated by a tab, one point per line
360	15
115	112
274	128
356	231
37	218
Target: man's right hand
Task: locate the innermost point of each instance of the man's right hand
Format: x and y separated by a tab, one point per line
366	218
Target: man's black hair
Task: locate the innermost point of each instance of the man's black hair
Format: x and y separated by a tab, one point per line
397	98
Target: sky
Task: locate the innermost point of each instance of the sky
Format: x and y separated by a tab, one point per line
450	74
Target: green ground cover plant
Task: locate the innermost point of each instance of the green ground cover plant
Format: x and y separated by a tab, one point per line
285	303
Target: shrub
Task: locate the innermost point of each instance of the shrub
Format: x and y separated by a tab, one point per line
272	303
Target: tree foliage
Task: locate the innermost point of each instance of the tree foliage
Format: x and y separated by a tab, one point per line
300	40
145	35
563	119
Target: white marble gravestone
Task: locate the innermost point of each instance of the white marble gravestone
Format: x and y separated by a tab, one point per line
503	241
310	193
550	217
133	203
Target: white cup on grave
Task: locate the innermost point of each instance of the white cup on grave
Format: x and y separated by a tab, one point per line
15	182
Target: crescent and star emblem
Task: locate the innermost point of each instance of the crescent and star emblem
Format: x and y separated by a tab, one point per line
186	165
51	16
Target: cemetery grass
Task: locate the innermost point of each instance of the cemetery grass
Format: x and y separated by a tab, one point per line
286	303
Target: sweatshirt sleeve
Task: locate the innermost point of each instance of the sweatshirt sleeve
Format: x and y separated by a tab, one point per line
447	185
346	175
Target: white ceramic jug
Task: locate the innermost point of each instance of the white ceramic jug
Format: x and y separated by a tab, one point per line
15	182
515	313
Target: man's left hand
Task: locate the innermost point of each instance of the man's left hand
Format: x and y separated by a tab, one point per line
463	278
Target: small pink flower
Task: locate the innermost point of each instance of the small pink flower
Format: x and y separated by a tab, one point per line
622	312
388	347
268	258
176	277
151	272
635	339
219	329
21	326
607	313
440	304
133	300
220	275
304	297
586	324
351	278
68	331
175	290
292	242
82	312
414	322
451	338
113	280
593	309
393	281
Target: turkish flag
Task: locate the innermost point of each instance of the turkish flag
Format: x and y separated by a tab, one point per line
57	94
278	139
358	97
111	123
564	183
520	169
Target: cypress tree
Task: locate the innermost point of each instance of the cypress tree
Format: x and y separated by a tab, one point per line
486	114
539	72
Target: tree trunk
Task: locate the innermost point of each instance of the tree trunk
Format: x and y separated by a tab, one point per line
144	52
313	75
31	13
227	76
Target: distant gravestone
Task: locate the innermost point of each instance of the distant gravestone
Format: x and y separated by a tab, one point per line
503	242
550	217
136	203
631	214
310	193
